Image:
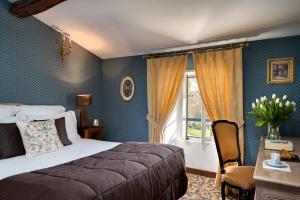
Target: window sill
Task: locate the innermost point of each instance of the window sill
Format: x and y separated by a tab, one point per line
199	140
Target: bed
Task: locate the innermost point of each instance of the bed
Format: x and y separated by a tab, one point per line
91	169
43	157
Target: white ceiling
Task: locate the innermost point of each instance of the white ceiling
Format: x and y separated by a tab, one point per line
118	28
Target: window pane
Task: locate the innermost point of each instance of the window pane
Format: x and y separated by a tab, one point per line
194	100
197	122
193	128
193	108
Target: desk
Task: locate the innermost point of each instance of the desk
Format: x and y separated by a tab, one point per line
273	184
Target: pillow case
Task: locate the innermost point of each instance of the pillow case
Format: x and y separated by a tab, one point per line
11	144
39	110
61	130
8	111
7	120
39	137
70	122
60	124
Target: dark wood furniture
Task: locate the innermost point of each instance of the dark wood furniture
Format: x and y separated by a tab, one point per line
26	8
201	172
239	177
96	133
274	184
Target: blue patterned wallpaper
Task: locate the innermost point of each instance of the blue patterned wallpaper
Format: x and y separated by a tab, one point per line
255	85
31	71
125	121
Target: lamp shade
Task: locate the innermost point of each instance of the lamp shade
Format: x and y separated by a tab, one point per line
84	99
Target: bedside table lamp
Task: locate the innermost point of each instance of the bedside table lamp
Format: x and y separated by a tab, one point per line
83	100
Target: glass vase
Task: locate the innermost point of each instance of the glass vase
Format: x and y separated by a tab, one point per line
273	132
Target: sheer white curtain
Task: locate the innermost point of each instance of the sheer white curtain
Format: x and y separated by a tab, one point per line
175	127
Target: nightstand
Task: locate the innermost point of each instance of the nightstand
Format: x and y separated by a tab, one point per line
96	133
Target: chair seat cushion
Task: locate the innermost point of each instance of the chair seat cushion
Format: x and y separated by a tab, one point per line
241	176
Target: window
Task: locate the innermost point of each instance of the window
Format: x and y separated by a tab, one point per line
197	122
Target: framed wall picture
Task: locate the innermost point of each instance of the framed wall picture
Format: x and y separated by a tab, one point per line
127	88
280	70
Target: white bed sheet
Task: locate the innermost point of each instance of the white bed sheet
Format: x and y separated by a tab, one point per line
79	149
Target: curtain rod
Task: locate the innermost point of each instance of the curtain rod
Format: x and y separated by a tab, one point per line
198	50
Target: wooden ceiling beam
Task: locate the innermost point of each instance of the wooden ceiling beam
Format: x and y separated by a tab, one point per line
26	8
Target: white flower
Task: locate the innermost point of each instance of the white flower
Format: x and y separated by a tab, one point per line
257	101
294	109
293	103
277	100
284	97
270	102
261	106
273	96
264	98
287	103
253	105
280	104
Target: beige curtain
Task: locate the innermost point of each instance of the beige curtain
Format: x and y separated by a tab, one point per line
220	79
164	80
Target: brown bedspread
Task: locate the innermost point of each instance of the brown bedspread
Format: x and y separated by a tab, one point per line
130	171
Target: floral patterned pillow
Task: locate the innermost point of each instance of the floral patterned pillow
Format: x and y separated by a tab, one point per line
39	137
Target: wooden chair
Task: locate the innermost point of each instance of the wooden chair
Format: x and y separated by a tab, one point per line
239	177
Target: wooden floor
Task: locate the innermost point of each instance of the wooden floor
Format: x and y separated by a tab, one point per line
201	172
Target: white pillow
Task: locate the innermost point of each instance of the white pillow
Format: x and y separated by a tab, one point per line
8	110
39	110
70	120
39	137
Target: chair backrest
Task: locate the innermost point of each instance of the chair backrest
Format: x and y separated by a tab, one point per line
226	135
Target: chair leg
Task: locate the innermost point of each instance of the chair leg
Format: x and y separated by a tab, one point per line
251	194
242	194
223	190
246	194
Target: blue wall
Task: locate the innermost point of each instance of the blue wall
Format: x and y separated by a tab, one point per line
125	121
255	85
31	71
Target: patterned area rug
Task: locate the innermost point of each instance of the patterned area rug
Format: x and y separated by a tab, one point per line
201	188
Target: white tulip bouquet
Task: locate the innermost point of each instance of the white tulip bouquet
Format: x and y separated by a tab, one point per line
274	111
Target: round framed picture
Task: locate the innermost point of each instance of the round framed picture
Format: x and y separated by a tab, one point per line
127	88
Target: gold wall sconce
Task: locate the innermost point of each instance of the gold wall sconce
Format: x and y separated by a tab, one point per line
65	47
66	43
